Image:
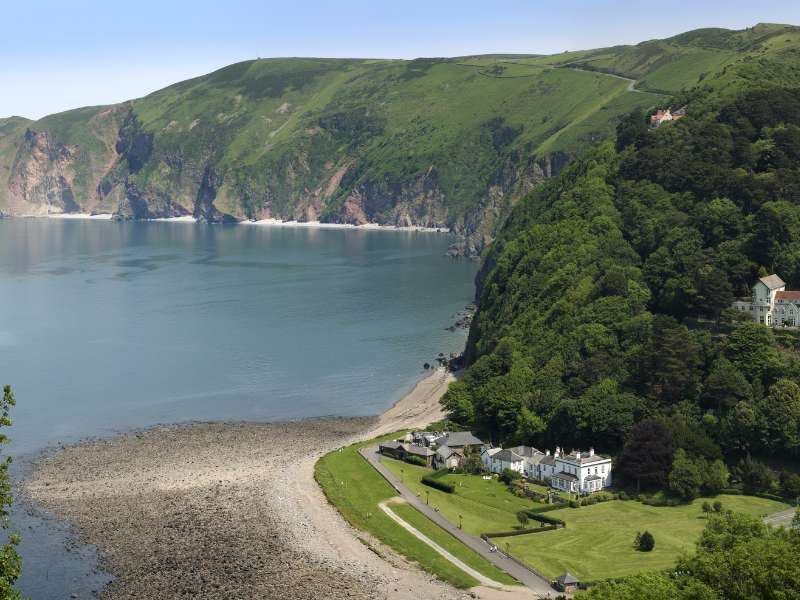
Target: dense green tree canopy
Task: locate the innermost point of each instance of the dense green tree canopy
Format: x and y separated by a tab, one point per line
602	301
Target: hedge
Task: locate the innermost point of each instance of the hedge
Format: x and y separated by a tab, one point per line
546	508
439	485
416	460
731	491
768	496
544	518
498	534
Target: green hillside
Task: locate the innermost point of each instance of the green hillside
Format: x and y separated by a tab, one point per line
446	142
603	314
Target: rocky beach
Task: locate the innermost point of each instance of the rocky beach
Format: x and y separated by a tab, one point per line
231	510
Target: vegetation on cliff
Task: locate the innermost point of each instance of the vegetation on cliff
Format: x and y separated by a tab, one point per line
602	302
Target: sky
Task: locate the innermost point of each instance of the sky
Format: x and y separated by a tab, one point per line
61	54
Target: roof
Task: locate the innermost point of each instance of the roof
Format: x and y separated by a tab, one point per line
567	578
548	460
390	445
787	295
526	451
507	455
459	438
419	450
773	282
447	452
492	451
565	475
593	478
585	458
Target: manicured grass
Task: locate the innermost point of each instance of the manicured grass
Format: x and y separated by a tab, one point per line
356	489
485	505
419	521
597	542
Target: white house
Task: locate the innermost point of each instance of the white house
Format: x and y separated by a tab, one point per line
578	471
506	459
486	456
771	303
531	458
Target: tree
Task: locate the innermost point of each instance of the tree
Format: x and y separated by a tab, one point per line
646	458
717	506
790	484
10	562
685	477
522	517
724	386
509	475
707	508
796	519
754	475
647	542
715	477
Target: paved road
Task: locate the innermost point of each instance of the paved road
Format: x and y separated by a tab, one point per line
536	583
457	562
783	517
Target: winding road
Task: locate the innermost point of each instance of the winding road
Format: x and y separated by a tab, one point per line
535	582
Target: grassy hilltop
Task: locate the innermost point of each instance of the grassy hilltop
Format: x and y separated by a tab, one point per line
433	141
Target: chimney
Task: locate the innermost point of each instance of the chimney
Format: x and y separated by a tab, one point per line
547	452
558	451
578	454
591	451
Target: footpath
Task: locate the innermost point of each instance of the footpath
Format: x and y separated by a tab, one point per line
535	582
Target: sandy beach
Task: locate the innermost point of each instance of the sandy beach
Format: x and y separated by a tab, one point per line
231	510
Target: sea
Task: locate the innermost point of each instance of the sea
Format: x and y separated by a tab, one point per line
108	327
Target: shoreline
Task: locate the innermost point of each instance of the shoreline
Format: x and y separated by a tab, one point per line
259	223
209	510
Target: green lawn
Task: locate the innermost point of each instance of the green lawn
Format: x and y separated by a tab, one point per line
598	540
419	521
356	489
485	506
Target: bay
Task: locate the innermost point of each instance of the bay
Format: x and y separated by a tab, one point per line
109	326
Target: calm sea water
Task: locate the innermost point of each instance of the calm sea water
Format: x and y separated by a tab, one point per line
108	326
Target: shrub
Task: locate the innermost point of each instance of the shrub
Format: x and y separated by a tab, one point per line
416	460
623	495
574	503
717	506
646	541
509	475
439	485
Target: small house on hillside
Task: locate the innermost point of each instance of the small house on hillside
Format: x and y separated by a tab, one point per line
771	304
665	116
566	583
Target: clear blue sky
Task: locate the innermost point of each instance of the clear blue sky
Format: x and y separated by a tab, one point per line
61	54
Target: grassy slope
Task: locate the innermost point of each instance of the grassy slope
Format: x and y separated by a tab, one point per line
356	489
598	540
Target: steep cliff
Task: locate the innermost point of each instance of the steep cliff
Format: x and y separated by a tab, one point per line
432	142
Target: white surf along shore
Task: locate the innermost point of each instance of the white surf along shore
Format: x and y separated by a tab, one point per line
261	223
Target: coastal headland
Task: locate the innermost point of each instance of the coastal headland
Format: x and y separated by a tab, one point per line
212	510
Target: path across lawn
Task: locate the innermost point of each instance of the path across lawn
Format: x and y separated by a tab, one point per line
418	534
